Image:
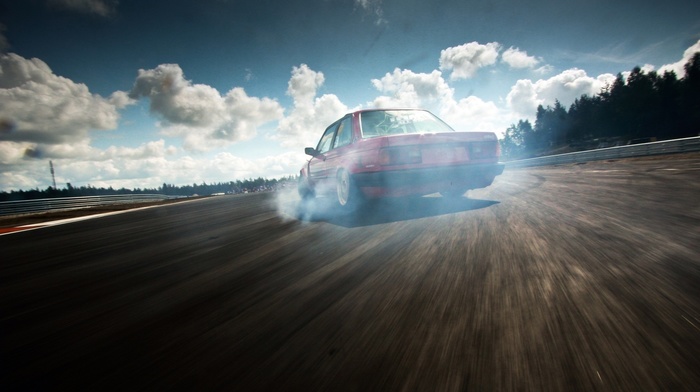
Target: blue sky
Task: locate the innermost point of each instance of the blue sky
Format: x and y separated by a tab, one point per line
140	93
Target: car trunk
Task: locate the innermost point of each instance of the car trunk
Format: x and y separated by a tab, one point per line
439	149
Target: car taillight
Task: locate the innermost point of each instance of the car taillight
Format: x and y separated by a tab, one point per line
481	150
400	155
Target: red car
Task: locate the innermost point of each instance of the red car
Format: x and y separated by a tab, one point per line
397	152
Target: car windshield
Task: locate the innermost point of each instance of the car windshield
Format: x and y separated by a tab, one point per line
400	122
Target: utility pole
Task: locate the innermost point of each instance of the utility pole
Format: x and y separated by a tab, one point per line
53	176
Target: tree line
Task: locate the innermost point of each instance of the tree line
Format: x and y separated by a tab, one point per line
644	107
232	187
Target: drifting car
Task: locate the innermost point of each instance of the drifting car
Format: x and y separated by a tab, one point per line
377	153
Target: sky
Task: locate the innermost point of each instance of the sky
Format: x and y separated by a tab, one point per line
138	93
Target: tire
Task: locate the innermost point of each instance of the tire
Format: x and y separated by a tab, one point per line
348	195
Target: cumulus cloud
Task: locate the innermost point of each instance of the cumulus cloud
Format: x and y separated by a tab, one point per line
103	8
198	113
406	88
526	95
678	67
81	164
40	107
472	114
146	166
516	58
121	99
152	149
465	60
310	114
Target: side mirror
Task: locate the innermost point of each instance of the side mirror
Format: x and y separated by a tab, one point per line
311	151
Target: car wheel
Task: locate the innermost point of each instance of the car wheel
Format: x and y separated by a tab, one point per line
348	195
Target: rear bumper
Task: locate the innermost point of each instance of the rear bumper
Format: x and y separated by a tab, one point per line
428	180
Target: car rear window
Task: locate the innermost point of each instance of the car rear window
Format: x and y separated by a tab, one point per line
398	122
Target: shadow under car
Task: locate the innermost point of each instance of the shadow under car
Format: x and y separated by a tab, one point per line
386	210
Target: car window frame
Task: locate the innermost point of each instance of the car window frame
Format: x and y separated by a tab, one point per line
346	124
332	128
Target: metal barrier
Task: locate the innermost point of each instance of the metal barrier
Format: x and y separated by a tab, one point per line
71	203
636	150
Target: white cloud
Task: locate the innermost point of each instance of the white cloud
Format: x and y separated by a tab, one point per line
409	89
472	114
525	95
304	83
516	58
121	99
310	115
103	8
11	152
678	67
25	165
146	166
40	107
198	113
430	91
153	149
465	60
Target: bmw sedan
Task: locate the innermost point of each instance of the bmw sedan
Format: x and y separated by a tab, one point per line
397	152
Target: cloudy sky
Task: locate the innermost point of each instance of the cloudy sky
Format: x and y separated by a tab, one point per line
139	93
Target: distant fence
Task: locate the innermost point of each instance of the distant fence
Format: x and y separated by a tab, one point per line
635	150
71	203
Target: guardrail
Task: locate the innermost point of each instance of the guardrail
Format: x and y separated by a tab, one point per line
635	150
71	203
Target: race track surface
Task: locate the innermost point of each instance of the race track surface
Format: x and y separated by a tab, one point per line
574	277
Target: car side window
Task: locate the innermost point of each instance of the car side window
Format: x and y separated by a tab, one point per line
344	134
371	122
325	143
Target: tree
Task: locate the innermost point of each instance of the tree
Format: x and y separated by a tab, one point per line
691	96
638	106
645	105
612	99
584	120
513	144
667	102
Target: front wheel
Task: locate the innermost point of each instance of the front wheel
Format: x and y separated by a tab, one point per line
349	196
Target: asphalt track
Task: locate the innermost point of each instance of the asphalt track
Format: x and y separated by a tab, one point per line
574	277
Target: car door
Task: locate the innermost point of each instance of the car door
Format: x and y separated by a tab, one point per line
318	168
323	168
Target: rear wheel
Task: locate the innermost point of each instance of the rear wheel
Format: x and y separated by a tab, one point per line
349	196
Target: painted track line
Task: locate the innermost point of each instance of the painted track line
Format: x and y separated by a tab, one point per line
35	226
